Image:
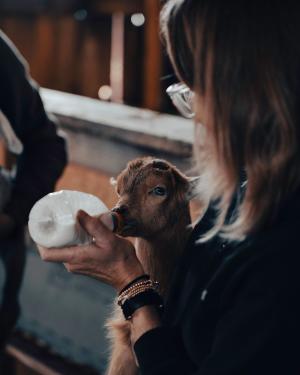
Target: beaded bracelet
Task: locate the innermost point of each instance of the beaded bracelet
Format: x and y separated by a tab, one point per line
142	277
140	292
138	287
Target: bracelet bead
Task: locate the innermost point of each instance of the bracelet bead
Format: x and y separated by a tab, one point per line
136	288
142	277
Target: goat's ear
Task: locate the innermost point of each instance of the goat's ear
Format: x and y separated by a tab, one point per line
193	188
113	181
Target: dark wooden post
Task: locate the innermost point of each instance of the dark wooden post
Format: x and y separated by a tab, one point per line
153	56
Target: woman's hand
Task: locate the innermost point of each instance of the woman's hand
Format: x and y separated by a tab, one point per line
110	258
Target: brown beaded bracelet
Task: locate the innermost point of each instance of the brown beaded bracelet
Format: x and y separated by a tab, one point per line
142	277
137	288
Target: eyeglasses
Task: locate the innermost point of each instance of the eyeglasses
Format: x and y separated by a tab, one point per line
182	98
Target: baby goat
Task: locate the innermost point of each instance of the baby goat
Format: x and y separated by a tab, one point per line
154	204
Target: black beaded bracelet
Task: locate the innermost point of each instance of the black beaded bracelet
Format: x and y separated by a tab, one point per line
142	277
147	298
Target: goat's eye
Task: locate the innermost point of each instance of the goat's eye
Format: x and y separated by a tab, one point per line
159	190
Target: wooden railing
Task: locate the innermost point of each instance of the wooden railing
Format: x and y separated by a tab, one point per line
103	137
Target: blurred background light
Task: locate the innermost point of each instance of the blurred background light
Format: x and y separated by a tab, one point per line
105	92
80	14
138	19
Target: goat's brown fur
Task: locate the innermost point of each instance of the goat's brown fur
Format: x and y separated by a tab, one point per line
161	228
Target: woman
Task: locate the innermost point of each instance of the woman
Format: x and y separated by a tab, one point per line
234	304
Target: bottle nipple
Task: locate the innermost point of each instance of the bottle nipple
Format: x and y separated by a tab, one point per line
118	222
112	220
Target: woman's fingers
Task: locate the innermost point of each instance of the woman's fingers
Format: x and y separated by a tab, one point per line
93	225
58	255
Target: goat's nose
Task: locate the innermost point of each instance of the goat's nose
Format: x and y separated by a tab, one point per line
121	209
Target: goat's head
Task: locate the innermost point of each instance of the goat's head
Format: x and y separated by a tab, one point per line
153	196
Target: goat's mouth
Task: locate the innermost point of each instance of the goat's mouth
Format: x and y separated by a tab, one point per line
128	228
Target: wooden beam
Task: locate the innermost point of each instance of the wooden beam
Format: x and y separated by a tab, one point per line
117	57
44	58
67	51
40	359
29	361
113	6
153	56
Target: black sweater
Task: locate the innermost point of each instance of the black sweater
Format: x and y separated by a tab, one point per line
232	309
44	156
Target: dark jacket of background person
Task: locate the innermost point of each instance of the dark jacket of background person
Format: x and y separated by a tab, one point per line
232	309
44	155
38	168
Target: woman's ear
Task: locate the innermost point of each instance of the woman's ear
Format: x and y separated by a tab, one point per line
192	191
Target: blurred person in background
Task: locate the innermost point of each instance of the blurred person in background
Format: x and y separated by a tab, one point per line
233	306
31	134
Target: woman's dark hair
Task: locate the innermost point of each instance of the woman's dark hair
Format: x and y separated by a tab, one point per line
242	60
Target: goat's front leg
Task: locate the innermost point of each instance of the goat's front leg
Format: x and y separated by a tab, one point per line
122	360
